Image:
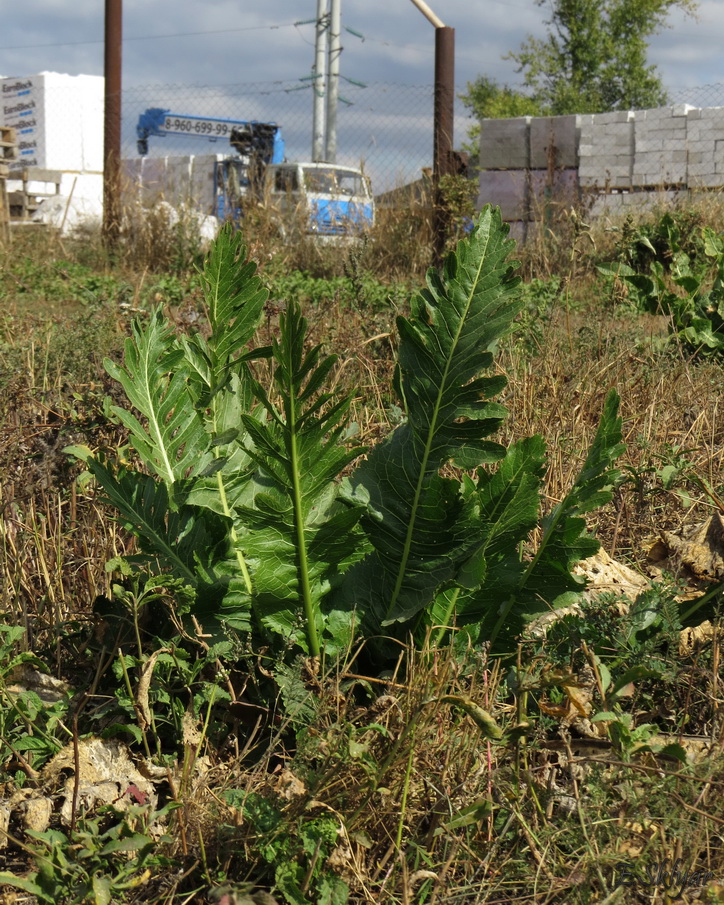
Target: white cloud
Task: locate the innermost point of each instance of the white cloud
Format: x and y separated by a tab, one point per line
398	50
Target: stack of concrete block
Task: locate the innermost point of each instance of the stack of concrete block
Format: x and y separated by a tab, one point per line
504	164
606	150
660	153
508	189
525	161
627	158
58	119
180	181
705	143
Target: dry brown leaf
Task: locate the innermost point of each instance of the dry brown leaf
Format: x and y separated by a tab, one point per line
699	550
25	678
290	786
606	575
695	637
192	735
105	773
144	685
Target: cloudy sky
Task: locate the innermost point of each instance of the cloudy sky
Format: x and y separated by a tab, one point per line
236	41
221	43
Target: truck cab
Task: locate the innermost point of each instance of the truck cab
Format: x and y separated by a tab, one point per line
333	201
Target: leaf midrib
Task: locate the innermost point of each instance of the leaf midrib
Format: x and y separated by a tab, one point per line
303	562
156	431
430	435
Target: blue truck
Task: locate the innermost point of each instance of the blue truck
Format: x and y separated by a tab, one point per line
333	202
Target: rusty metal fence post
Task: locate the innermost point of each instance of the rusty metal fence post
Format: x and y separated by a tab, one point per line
112	124
444	118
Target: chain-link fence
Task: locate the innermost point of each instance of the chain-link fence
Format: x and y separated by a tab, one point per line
699	96
535	166
386	128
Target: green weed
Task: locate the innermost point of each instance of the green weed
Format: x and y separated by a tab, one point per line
243	502
101	861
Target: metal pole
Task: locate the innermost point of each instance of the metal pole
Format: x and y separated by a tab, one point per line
429	14
112	124
335	51
444	118
318	83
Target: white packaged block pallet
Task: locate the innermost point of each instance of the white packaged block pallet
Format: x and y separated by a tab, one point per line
59	120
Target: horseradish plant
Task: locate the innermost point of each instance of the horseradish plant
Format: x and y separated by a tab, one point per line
241	495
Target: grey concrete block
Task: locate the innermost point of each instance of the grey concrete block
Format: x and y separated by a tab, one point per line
610	159
153	177
622	140
695	170
604	179
710	181
673	125
700	157
655	114
506	188
705	126
646	161
177	183
644	145
701	145
661	177
504	143
553	132
694	132
617	165
562	189
617	116
682	110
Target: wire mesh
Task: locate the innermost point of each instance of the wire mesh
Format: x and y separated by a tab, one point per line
535	167
386	128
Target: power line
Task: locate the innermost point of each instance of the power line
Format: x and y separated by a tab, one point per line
183	34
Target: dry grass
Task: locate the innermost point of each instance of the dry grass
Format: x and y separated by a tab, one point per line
428	807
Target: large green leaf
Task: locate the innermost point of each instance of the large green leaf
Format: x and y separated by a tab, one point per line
155	379
417	521
514	594
189	397
143	508
187	542
506	510
235	299
298	539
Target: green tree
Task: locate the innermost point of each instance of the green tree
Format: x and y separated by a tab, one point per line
487	99
593	59
490	100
